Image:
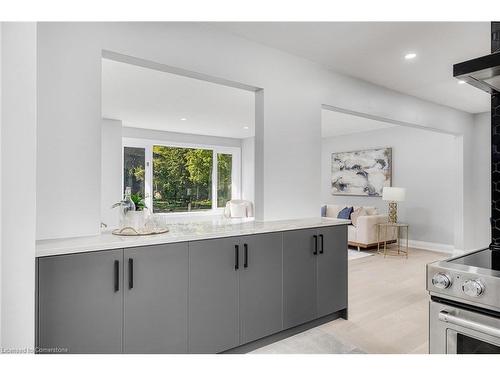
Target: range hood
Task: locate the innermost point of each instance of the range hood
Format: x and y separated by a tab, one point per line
483	72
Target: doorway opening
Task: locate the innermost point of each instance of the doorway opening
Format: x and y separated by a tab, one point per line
183	142
362	154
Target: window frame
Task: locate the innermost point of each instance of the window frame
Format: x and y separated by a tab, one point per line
147	145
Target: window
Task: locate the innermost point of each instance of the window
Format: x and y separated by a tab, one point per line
182	179
178	178
224	167
134	165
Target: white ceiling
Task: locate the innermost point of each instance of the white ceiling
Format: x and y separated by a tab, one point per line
334	124
374	51
152	99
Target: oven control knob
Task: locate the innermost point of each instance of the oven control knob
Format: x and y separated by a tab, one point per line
473	288
441	280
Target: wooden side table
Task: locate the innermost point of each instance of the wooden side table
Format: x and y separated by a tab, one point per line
383	227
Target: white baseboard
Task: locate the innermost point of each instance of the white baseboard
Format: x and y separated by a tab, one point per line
432	246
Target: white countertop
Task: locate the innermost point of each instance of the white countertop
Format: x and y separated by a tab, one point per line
178	232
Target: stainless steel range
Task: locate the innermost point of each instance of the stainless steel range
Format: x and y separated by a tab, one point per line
464	312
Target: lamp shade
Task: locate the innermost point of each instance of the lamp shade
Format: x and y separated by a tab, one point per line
393	194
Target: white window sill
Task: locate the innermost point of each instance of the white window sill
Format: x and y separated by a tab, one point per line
216	212
216	217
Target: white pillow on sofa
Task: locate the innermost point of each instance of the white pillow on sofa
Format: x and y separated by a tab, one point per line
332	210
370	210
360	211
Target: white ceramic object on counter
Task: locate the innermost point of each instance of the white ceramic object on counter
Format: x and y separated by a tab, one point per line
134	219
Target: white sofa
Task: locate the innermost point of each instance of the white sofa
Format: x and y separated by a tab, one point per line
364	233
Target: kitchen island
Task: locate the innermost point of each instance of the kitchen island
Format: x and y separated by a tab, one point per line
206	287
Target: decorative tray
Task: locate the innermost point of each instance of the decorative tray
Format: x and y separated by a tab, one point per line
129	231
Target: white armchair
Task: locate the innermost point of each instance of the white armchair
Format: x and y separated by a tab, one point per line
238	208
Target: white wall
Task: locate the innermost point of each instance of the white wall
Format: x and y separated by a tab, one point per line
423	162
69	138
18	184
180	137
288	141
111	170
248	169
482	179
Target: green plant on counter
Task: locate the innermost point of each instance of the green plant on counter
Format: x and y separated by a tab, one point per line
138	201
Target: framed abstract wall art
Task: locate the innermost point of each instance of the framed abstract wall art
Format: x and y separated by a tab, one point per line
363	173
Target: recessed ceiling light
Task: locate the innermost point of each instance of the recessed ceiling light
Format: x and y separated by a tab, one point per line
410	56
183	119
245	127
460	82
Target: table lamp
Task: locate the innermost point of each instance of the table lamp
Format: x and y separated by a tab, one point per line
393	195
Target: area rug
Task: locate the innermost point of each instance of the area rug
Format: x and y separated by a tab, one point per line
313	341
355	254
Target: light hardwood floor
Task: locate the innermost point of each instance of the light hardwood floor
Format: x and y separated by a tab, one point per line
388	306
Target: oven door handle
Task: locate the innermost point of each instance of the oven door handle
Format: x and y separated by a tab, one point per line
447	317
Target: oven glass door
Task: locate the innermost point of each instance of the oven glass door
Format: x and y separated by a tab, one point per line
471	343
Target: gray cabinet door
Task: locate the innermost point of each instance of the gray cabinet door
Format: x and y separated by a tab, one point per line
213	295
261	306
80	302
332	269
155	302
299	277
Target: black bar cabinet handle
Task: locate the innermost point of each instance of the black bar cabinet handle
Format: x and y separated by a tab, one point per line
236	257
315	252
117	275
322	248
130	273
245	264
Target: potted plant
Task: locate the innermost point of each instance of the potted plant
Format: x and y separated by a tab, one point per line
133	211
139	202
